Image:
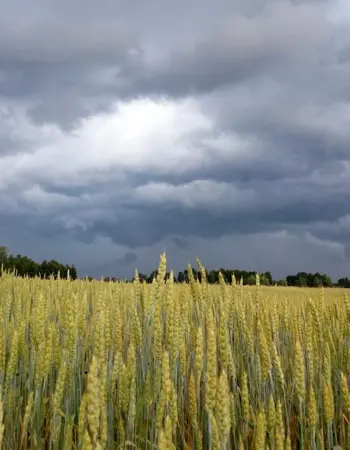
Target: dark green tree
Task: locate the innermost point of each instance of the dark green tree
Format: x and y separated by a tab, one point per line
301	281
327	280
181	277
344	282
251	280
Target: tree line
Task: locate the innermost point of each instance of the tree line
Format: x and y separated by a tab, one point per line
301	279
24	266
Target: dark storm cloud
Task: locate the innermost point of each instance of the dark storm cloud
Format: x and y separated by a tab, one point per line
181	243
71	67
60	65
347	250
242	49
272	79
114	267
275	206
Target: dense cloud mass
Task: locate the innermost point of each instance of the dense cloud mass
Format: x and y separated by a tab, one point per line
218	130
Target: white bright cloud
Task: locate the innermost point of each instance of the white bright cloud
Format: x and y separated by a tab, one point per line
142	136
197	194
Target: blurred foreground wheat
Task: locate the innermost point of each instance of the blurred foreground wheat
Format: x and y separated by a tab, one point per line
97	365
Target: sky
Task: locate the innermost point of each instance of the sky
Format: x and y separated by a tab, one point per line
217	130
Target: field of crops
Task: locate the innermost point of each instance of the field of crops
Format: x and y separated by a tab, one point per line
97	365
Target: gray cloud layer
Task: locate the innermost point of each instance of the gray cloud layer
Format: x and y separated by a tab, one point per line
125	131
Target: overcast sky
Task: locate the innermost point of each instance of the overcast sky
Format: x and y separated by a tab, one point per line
218	129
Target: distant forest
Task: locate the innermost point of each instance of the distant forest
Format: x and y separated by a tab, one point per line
24	266
301	279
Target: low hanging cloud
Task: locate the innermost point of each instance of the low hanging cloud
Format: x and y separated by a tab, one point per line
123	134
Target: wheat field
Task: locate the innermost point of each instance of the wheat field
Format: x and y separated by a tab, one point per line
102	365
